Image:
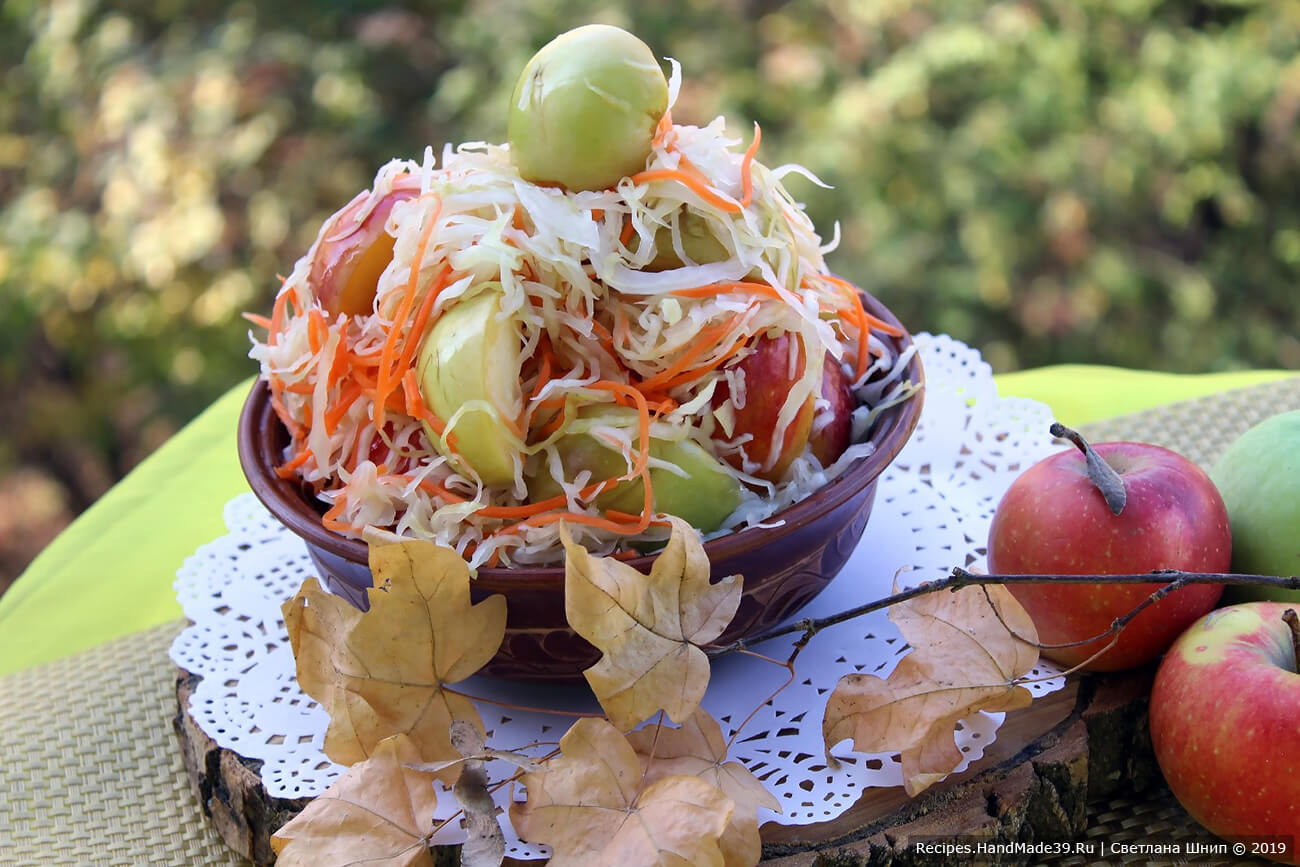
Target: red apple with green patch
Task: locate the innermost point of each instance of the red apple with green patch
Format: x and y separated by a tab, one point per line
1225	725
349	260
1163	512
832	424
771	368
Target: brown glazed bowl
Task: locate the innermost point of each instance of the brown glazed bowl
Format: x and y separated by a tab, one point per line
783	567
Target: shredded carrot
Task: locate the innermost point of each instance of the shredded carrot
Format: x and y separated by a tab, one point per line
701	189
746	169
416	334
259	321
619	527
628	230
416	407
661	130
707	339
714	289
316	329
389	375
696	372
277	315
335	413
330	519
604	338
287	469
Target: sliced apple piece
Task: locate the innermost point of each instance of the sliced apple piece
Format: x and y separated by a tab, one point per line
703	497
769	379
698	243
832	425
346	266
471	359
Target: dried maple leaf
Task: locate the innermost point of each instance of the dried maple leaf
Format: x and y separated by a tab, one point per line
379	812
383	672
962	660
697	749
648	627
591	806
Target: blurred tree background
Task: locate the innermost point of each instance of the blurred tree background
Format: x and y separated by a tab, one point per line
1105	181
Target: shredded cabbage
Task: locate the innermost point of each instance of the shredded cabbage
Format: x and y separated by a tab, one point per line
573	270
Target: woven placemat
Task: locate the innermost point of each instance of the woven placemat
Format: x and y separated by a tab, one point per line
93	774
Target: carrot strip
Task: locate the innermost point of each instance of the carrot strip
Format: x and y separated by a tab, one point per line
286	469
701	189
277	315
746	169
335	413
330	519
317	330
696	372
416	407
416	334
259	321
386	382
662	128
706	340
714	289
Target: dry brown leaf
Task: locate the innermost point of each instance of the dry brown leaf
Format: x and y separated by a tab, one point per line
648	627
383	672
591	806
962	660
697	749
379	812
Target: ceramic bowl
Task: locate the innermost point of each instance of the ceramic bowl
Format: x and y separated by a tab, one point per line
783	566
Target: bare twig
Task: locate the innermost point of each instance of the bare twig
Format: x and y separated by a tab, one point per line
958	578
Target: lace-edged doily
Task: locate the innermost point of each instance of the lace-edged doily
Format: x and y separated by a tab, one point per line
932	511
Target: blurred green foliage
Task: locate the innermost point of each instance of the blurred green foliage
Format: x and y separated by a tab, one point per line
1110	181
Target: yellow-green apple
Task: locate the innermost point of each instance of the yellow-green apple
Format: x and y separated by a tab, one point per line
1055	520
469	362
770	370
348	261
1225	725
700	491
1259	477
832	423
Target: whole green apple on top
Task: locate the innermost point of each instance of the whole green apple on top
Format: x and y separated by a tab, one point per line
1259	478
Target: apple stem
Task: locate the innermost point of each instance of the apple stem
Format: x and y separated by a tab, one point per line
1293	621
1102	474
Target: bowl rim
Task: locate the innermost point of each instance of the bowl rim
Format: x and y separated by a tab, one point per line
288	501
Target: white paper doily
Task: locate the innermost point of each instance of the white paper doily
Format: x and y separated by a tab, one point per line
932	512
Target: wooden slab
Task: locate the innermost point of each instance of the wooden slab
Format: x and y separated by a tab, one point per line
1084	742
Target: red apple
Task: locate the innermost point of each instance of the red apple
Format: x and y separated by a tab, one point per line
769	376
1225	725
833	424
349	259
1054	520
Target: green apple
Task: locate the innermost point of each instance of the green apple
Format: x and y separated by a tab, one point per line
1259	478
471	359
698	243
585	107
703	497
